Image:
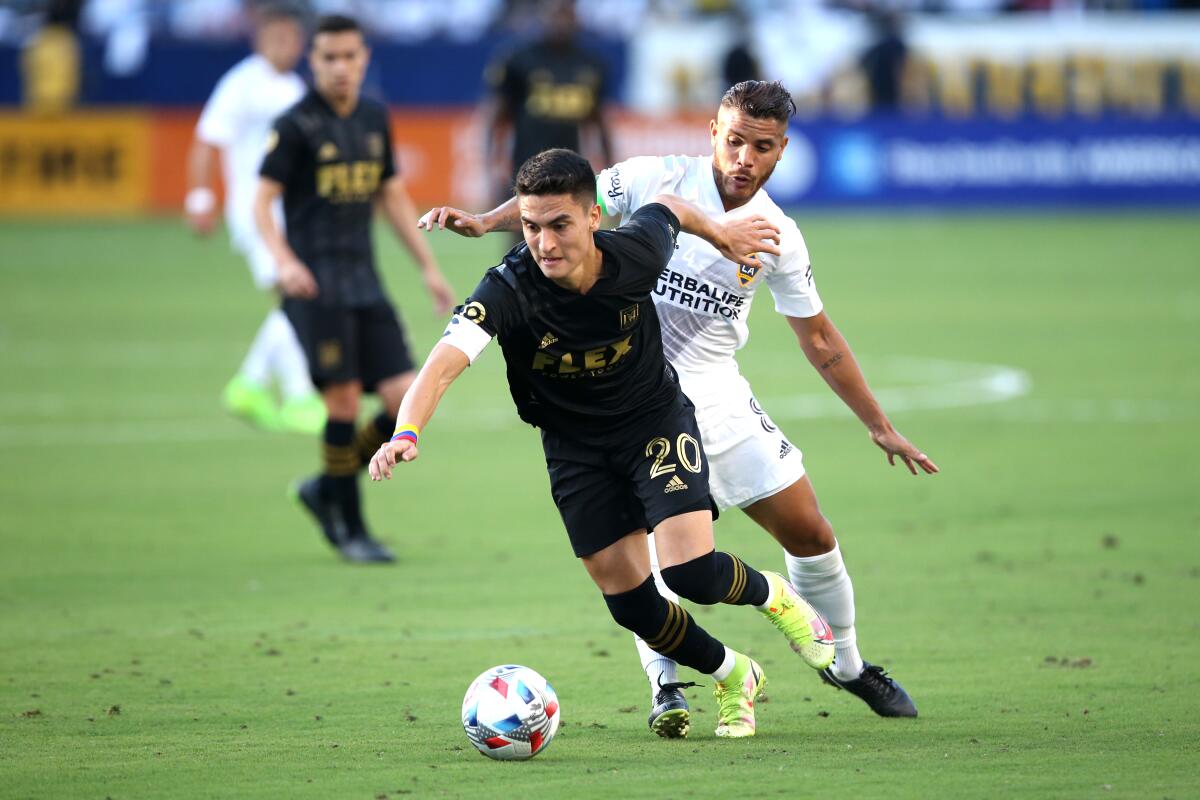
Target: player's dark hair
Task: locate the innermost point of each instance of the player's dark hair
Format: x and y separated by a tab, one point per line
557	171
761	100
336	23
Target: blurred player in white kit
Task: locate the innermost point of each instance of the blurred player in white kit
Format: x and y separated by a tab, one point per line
236	123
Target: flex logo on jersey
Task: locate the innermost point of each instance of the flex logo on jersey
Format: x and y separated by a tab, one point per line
353	182
586	364
747	273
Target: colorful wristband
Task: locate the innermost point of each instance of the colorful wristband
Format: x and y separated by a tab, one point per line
410	432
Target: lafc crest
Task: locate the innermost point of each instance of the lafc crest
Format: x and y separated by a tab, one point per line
629	317
747	273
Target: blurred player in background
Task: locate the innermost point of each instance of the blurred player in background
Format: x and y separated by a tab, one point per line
545	94
235	124
704	301
330	158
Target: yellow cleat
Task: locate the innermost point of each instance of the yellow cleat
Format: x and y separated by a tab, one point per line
806	630
736	695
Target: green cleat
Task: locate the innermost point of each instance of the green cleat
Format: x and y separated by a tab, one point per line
805	629
302	414
736	695
251	402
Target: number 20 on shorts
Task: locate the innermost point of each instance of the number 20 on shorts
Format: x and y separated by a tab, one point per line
659	448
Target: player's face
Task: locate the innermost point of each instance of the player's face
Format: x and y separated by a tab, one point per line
745	152
558	229
280	41
338	62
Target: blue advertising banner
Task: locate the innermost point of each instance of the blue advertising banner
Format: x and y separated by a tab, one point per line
896	161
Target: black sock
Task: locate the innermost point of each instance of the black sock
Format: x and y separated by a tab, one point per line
717	578
372	435
339	478
666	628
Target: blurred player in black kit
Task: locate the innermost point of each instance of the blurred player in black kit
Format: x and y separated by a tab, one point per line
581	339
546	94
330	158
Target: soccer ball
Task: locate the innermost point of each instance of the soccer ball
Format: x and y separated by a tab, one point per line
510	713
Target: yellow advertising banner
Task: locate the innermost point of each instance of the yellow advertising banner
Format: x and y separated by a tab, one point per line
82	163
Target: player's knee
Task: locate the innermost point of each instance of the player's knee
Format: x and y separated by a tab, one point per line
808	537
697	580
342	401
639	610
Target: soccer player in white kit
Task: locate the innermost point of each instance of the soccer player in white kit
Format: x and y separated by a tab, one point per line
235	123
703	301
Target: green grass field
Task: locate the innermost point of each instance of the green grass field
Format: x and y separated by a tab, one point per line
171	626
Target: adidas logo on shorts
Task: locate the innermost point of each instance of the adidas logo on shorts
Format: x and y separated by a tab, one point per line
785	448
674	485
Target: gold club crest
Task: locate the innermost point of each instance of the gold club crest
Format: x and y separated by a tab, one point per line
327	152
375	145
629	317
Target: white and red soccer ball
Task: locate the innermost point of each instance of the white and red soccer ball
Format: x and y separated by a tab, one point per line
510	713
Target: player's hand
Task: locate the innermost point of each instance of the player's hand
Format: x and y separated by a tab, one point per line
461	222
389	455
439	288
896	446
748	237
295	280
202	224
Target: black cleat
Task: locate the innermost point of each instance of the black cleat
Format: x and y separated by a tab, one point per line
670	717
873	686
326	512
365	550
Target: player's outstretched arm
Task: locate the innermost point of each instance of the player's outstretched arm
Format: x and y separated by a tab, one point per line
442	368
295	279
740	240
504	217
829	353
400	211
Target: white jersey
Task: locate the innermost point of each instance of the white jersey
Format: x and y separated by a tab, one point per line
702	298
238	119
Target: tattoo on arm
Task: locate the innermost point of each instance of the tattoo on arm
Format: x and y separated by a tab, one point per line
835	358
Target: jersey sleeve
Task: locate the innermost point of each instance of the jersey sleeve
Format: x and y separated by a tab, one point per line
624	187
645	244
285	146
218	121
481	318
390	168
792	284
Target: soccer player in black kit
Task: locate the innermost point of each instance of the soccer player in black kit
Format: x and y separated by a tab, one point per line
330	158
571	309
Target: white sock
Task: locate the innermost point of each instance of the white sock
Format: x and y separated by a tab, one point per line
658	667
823	581
256	368
726	666
288	363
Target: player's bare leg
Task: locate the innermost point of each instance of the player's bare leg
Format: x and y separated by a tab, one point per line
816	569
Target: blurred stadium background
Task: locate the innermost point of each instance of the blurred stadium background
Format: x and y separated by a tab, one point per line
939	103
1000	199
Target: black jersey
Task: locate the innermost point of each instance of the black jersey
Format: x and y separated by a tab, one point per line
331	168
550	91
586	366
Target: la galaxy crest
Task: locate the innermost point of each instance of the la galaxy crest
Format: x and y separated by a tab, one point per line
747	273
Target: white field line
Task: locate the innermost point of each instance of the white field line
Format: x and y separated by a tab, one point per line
53	419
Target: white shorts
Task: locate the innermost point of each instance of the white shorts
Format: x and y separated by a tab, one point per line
749	458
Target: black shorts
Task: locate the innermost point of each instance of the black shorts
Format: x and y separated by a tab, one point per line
604	496
350	344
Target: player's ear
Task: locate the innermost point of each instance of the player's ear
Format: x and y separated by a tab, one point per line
595	215
782	147
712	130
